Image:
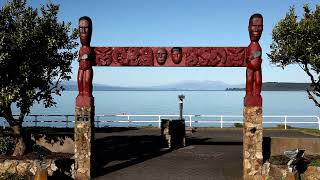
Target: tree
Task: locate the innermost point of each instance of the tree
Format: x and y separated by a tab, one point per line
36	51
297	41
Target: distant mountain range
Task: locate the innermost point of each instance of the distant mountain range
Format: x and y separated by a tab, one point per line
184	85
193	86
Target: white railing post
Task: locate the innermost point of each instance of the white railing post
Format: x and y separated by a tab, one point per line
221	121
190	121
128	117
159	119
285	122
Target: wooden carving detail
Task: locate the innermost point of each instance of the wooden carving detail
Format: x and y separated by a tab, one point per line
146	56
235	56
219	57
215	56
103	56
119	56
191	56
162	56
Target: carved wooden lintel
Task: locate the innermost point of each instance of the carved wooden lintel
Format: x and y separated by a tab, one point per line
171	56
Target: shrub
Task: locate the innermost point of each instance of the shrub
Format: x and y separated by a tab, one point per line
11	176
6	145
238	125
282	126
315	162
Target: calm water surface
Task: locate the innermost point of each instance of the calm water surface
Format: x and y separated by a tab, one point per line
196	102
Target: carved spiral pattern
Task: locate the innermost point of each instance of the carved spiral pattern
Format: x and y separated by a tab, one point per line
133	56
103	56
191	57
204	56
119	55
219	56
146	56
235	56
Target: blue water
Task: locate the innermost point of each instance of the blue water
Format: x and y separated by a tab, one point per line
196	102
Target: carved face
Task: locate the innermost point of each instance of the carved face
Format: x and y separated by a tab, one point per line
85	32
255	28
176	55
161	56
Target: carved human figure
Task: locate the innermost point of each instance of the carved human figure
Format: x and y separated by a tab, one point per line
85	72
161	56
176	55
253	61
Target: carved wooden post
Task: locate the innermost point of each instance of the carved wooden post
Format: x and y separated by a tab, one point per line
252	113
84	112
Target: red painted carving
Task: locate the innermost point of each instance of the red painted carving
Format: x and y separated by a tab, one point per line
158	56
86	60
119	56
161	55
129	56
253	61
191	57
204	56
146	56
103	56
219	57
249	57
132	56
176	55
235	56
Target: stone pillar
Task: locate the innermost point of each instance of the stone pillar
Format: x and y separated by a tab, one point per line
83	138
166	137
252	143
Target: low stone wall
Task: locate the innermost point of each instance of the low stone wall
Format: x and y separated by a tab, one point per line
276	172
30	167
280	144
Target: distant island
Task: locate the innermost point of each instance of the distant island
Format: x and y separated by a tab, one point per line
193	86
278	86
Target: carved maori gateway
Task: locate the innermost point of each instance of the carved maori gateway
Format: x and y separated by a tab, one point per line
249	57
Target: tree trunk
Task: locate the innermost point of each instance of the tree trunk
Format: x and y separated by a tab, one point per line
20	144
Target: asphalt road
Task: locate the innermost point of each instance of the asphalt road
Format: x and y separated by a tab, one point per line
137	154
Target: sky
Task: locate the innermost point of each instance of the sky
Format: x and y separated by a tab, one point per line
179	23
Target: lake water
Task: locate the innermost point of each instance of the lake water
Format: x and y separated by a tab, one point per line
226	103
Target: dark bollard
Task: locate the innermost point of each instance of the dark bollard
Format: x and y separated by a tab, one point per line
177	131
173	133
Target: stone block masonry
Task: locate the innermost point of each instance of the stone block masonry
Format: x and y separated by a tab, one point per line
30	167
84	124
252	143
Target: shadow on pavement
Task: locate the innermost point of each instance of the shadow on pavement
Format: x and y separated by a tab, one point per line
113	129
206	141
117	152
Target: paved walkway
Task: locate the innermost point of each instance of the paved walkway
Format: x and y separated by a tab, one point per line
136	154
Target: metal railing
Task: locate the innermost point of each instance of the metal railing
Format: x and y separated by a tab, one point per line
189	119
